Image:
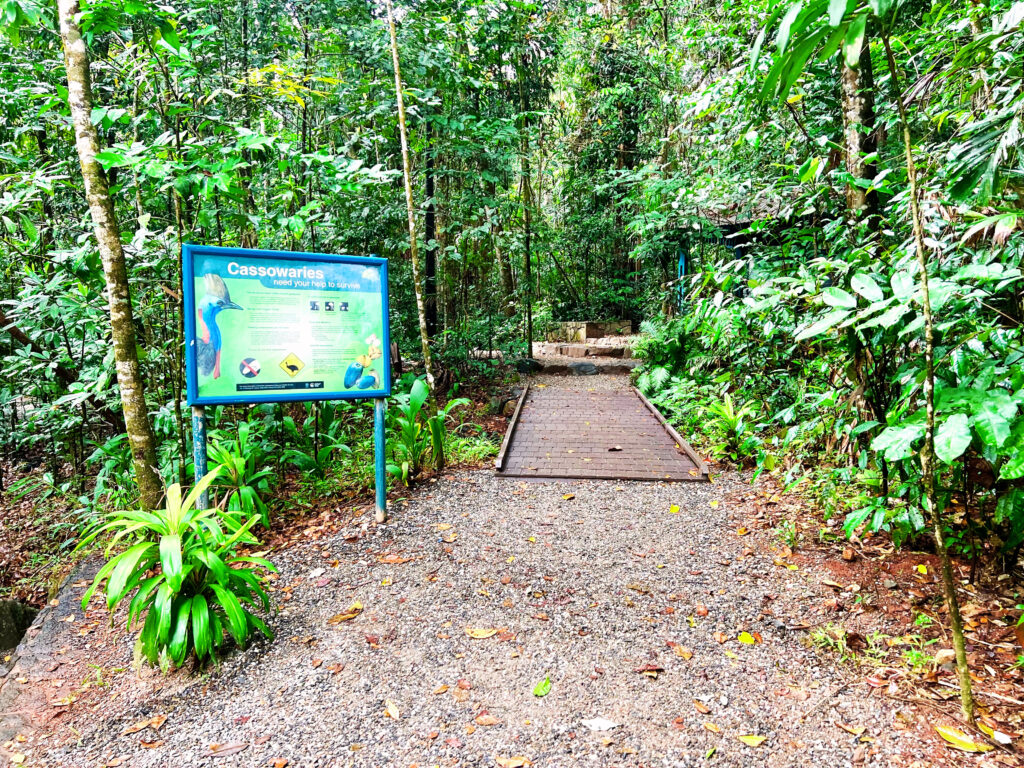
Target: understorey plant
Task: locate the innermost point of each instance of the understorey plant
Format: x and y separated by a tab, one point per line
183	576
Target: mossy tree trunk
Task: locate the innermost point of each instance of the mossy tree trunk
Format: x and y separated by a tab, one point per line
115	270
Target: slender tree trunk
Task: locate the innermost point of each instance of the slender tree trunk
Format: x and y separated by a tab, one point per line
108	237
430	235
417	277
928	451
527	194
858	104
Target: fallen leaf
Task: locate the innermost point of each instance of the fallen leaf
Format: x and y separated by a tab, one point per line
751	740
650	670
701	609
703	708
746	638
225	750
513	762
441	689
394	559
674	509
280	762
712	727
721	637
17	758
569	496
543	687
600	724
391	709
353	610
485	719
742	530
959	739
855	730
684	653
479	633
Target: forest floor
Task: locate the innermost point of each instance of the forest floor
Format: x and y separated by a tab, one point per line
671	623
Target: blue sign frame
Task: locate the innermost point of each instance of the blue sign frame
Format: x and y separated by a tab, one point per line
190	252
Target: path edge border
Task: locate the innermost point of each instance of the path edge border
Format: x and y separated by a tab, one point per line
681	444
499	462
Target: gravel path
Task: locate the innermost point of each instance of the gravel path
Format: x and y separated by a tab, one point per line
632	609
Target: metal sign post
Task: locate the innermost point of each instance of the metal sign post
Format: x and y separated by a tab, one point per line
280	326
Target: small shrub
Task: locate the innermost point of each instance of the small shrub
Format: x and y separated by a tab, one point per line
182	576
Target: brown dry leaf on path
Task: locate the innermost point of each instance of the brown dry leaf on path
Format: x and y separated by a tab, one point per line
279	762
225	750
721	637
650	670
486	718
855	730
701	609
392	559
151	722
353	610
703	708
683	653
517	761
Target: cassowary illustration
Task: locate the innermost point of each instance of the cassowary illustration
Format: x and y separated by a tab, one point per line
208	335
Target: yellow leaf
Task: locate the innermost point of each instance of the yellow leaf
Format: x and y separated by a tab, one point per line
731	655
441	526
569	496
746	638
961	740
684	653
480	634
392	710
752	741
674	509
922	569
712	727
17	758
742	530
714	503
353	610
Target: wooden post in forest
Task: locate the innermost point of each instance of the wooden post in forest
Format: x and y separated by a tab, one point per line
115	271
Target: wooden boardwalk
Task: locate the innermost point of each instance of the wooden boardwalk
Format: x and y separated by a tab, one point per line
610	435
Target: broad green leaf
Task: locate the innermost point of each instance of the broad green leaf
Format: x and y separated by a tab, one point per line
952	438
201	626
897	442
170	560
854	41
786	27
866	287
836	11
837	297
880	7
902	284
237	624
992	425
829	321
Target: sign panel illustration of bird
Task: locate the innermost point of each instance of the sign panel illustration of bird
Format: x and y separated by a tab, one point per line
209	340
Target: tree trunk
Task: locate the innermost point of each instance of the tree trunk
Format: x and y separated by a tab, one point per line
108	238
858	103
527	195
417	278
430	235
928	451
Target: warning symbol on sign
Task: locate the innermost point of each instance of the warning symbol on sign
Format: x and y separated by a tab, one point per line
292	365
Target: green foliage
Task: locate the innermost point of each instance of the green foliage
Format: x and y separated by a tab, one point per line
419	437
239	466
201	587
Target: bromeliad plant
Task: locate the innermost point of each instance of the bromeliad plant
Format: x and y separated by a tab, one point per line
184	576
